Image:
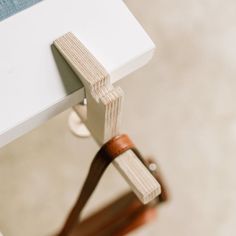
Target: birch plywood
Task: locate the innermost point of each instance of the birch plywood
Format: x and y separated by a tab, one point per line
31	87
104	108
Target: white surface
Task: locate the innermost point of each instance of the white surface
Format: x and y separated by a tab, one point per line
31	89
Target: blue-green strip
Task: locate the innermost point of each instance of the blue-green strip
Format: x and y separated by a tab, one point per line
11	7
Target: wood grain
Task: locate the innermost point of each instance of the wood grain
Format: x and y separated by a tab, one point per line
104	109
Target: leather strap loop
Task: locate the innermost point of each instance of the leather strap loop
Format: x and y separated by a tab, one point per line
108	152
116	146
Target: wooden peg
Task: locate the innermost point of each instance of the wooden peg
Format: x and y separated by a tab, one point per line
103	112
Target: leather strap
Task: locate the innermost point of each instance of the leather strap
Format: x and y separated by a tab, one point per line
124	214
107	153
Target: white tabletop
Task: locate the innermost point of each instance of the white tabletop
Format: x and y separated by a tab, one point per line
32	88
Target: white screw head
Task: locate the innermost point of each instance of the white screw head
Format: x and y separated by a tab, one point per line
153	167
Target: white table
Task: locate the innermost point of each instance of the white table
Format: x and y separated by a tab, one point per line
32	89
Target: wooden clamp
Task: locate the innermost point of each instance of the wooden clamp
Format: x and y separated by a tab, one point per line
102	115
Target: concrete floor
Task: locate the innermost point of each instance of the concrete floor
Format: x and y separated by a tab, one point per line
180	108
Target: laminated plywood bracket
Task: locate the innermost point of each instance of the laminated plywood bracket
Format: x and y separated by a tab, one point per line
102	114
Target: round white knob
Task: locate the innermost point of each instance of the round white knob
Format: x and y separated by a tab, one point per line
77	127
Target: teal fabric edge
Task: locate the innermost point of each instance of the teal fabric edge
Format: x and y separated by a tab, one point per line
11	7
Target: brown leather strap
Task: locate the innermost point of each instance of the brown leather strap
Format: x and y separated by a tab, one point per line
108	152
116	146
124	214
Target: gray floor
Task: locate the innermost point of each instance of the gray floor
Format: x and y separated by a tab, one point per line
180	108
